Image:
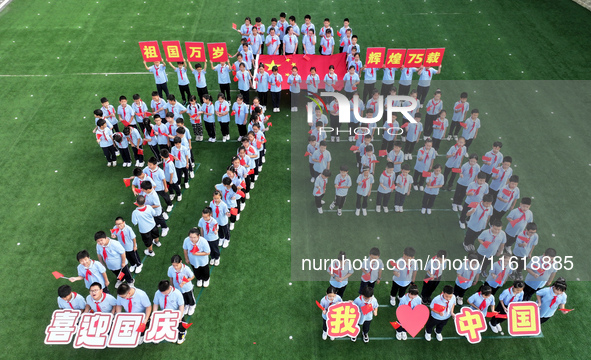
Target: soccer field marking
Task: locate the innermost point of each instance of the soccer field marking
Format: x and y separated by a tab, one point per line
3	4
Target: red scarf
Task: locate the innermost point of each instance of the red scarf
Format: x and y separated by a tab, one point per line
389	178
483	212
483	303
98	308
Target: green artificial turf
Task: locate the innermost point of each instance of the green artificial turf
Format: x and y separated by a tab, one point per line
47	121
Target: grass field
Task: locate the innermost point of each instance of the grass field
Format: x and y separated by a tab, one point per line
46	124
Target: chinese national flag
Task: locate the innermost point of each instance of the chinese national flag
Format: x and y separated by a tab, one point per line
395	58
494	170
456	170
234	211
285	63
414	57
366	309
438	308
172	50
217	52
433	57
150	50
426	174
374	57
195	51
127	182
486	158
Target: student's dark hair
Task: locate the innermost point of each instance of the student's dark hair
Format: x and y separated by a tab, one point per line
217	192
177	140
326	172
64	291
369	111
436	166
323	143
405	167
207	97
274	19
349	30
526	201
514	178
247	18
256	126
82	254
288	28
146	185
244	139
181	131
351	67
475	111
369	148
498	143
98	112
123	289
331	290
429	140
100	122
473	156
96	283
311	138
206	210
192	98
560	284
441	253
313	68
390	165
442	111
481	175
368	292
328	31
170	114
117	137
122	97
487	198
100	235
198	66
496	222
227	181
136	96
104	100
344	168
365	168
194	230
140	200
163	285
271	27
354	37
473	256
242	147
119	218
374	251
448	289
126	131
464	95
437	92
550	252
485	290
153	160
413	290
518	284
282	14
508	159
531	226
410	251
154	93
137	171
367	136
418	116
307	17
291	17
398	144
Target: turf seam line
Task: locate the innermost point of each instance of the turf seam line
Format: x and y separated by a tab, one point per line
453	337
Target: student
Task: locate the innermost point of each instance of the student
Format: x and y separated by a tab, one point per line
326	43
434	183
68	299
125	112
168	297
312	147
340	270
405	272
496	159
222	111
364	184
471	130
175	108
290	41
346	41
425	157
171	179
468	174
501	177
371	271
490	244
281	28
550	299
425	81
524	248
275	81
331	298
385	188
466	276
193	110
517	220
200	81
90	271
500	272
134	138
109	114
479	217
104	137
246	28
388	81
112	255
391	130
368	308
159	71
509	295
208	111
244	82
475	191
413	133
161	133
343	33
247	56
435	267
240	110
143	216
333	108
312	81
182	159
196	250
159	180
273	26
413	112
396	157
307	25
320	188
461	108
123	145
483	300
342	183
405	80
296	29
540	273
403	185
126	236
134	300
255	42
262	85
506	198
320	121
412	299
373	102
223	71
99	300
228	189
368	159
294	80
369	82
221	213
273	42
183	80
209	230
442	308
434	107
454	155
321	159
350	81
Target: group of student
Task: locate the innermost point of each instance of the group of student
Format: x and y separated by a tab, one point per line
405	290
155	185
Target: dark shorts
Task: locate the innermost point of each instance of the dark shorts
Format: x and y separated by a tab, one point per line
149	236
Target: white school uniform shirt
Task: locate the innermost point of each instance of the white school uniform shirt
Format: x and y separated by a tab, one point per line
94	273
137	182
394	158
365	186
77	302
200	80
159	73
460	109
350	83
471	127
549	297
390	130
139	110
326	45
125	237
496	242
322	31
291	43
477	299
456	159
413	111
336	270
389	76
306	27
479	218
159	107
544	270
325	303
262	80
388	180
342	33
469	173
294	83
495	162
434	107
340	181
524	219
241	110
513	195
508	296
105	303
219	212
312	83
173	301
255	42
113	252
406	271
448	305
139	302
427	159
406	182
203	246
413	131
498	272
181	73
367	161
223	71
106	137
243	80
329	82
324	158
273	43
209	228
477	191
109	114
406	75
426	76
523	251
319	186
245	29
439	130
208	109
127	113
144	218
373	267
176	109
502	178
371	75
360	303
434	181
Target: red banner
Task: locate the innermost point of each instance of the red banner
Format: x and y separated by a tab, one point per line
172	50
433	57
195	51
217	52
414	57
285	63
395	58
374	57
150	50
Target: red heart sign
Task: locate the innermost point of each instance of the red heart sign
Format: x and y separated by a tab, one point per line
412	320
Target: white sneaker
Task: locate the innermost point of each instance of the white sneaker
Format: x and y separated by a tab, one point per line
427	336
242	206
226	243
206	283
401	208
378	208
252	185
500	329
339	212
132	268
211	262
356	212
231	226
260	169
460	207
428	211
264	160
237	217
460	300
256	177
456	137
448	137
409	156
192	174
158	244
149	253
137	163
422	188
169	208
322	202
386	209
320	210
220	242
199	283
191	310
466	155
224	139
247	197
423	211
171	196
311	180
338	138
438	336
179	198
217	262
165	215
118	283
398	335
424	138
396	208
165	232
364	211
493	328
415	187
117	153
142	164
404	335
462	225
332	139
186	185
454	207
138	269
113	163
393	300
324	335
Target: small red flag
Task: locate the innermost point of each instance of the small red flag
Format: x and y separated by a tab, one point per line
456	170
114	231
241	193
354	148
251	172
383	153
187	325
438	308
463	124
234	26
507	192
185	279
427	280
374	161
473	205
366	309
395	324
235	79
270	124
320	306
127	182
121	275
307	154
523	238
233	113
566	310
141	328
492	313
514	222
57	274
426	174
437	123
495	170
140	151
462	279
366	276
306	57
486	158
486	244
234	211
404	125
